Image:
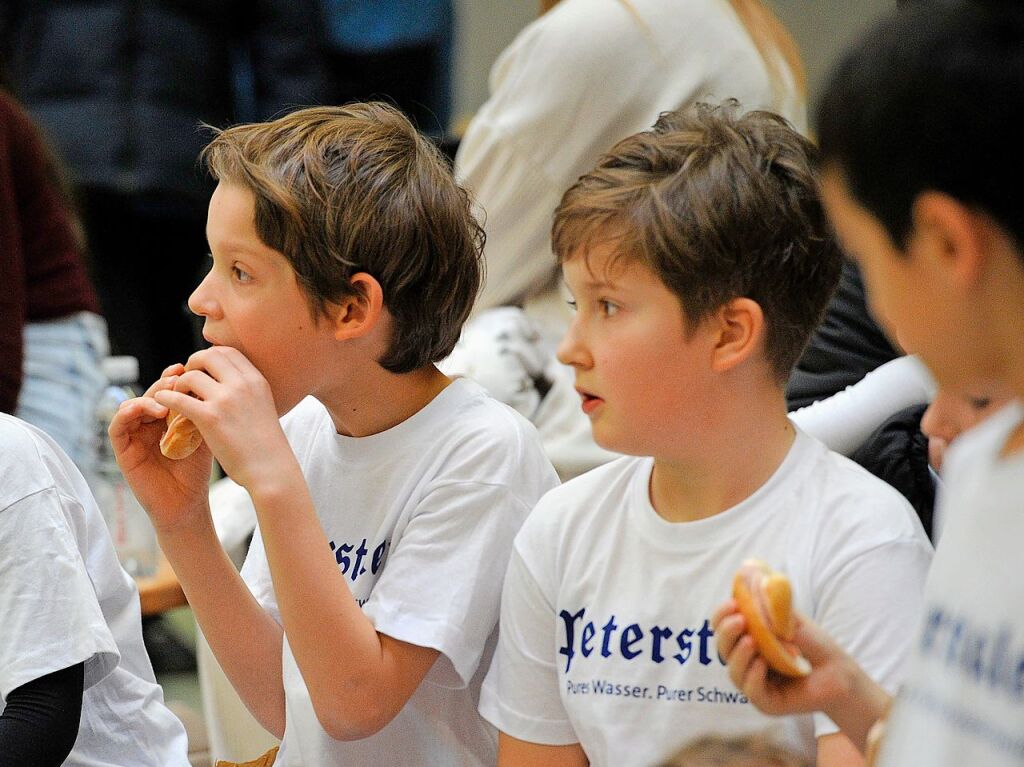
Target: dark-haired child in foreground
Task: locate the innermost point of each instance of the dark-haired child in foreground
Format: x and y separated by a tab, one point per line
699	260
345	260
917	130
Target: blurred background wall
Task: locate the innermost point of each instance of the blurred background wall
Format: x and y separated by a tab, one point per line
822	28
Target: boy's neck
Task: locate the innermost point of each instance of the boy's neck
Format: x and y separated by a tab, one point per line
379	400
748	445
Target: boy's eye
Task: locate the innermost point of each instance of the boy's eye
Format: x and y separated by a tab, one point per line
979	403
240	274
572	304
608	309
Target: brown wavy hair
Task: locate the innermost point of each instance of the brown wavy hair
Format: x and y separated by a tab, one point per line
341	190
719	206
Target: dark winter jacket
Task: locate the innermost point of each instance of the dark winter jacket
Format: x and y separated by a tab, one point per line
121	87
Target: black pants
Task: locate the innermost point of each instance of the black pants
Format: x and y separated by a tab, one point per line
145	262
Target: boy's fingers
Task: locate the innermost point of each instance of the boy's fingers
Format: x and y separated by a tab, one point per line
188	406
160	384
728	631
197	383
814	644
725	609
755	680
173	370
740	659
218	361
141	409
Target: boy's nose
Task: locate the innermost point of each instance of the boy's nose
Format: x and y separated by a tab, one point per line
201	301
571	350
939	420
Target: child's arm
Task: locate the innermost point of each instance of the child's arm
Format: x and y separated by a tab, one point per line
836	685
513	752
846	419
358	679
39	723
246	640
837	750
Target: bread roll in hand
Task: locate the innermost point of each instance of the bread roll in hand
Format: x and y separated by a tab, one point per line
765	599
181	439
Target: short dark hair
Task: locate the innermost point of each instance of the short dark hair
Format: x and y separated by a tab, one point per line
930	99
719	206
341	190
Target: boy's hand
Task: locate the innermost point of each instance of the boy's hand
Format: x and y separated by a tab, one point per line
836	685
231	404
774	693
168	490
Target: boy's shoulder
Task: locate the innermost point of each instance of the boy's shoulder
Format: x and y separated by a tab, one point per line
592	495
462	407
834	493
22	463
463	428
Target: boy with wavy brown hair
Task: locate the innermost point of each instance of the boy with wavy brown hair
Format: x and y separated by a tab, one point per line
699	259
345	260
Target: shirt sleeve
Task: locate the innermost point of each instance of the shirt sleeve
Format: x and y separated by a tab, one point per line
520	695
39	725
877	631
52	618
441	585
844	420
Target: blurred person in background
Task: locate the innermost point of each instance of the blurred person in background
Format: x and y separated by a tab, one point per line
52	338
120	87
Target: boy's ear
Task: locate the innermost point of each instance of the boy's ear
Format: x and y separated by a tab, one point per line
740	327
950	234
358	314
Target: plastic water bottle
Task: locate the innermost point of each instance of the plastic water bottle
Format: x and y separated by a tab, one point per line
133	534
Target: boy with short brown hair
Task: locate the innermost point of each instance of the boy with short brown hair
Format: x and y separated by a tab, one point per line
699	258
344	262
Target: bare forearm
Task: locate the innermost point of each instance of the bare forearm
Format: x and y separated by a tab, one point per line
245	639
345	663
864	703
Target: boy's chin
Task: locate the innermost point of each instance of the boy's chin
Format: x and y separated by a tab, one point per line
619	443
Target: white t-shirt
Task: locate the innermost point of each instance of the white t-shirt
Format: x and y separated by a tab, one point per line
963	702
605	622
421	520
64	600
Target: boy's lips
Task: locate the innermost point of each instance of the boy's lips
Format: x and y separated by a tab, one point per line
590	401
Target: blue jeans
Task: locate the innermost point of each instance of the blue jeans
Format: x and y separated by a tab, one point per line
62	382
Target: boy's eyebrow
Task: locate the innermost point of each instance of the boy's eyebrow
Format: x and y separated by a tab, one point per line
592	281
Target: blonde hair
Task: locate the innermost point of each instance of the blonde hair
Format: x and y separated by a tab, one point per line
742	751
772	40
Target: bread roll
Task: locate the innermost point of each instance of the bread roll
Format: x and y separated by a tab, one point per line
181	439
764	597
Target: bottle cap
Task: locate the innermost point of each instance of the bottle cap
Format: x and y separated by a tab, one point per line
121	370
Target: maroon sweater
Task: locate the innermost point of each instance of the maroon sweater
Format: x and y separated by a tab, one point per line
42	270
